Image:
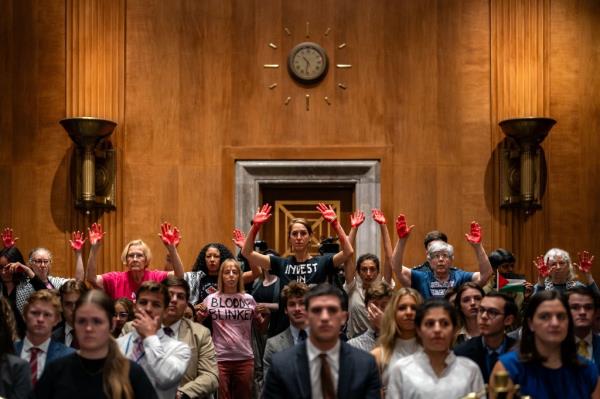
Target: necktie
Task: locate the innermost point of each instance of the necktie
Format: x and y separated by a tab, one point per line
138	350
74	341
33	363
169	331
582	349
326	379
302	335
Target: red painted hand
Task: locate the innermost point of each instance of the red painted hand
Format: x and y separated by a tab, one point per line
262	215
474	237
239	239
169	234
357	218
402	228
8	238
585	261
542	267
95	233
327	212
77	240
378	216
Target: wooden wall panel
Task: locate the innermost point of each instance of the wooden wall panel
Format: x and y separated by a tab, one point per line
185	81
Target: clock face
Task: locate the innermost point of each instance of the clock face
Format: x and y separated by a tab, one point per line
307	62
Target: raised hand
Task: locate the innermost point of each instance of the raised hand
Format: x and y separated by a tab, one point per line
77	240
169	234
585	261
327	212
95	234
378	216
541	266
262	215
17	267
8	238
357	218
474	236
402	228
238	238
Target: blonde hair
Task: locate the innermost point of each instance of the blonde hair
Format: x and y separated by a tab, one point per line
46	296
145	250
226	262
389	330
115	374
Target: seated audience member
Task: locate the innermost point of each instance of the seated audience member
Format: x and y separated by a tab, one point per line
556	271
17	284
201	378
583	305
164	359
435	372
137	257
323	366
433	235
292	300
377	297
42	313
468	297
397	337
98	370
442	276
359	277
16	377
301	266
124	312
496	313
503	263
547	365
69	292
232	312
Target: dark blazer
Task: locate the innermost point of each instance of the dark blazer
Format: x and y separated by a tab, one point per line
474	350
289	375
58	334
56	350
15	378
596	350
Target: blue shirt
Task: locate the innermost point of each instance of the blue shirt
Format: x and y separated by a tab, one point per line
571	382
425	282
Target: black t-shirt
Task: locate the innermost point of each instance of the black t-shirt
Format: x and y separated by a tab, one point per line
75	377
311	271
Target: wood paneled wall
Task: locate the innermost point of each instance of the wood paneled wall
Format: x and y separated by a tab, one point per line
185	81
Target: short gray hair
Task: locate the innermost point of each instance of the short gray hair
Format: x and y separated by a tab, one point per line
440	246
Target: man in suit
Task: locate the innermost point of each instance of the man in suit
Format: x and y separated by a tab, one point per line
42	314
292	301
583	305
69	295
497	312
323	366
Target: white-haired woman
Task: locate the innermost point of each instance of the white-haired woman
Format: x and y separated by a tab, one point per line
556	271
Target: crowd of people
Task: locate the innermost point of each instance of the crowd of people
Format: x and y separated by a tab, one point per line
258	324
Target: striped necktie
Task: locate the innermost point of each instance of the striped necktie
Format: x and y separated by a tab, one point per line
33	363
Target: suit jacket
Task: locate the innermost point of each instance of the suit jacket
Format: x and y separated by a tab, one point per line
56	350
289	375
201	378
474	350
15	378
276	344
58	334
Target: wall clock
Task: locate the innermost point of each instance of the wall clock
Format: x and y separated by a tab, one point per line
308	62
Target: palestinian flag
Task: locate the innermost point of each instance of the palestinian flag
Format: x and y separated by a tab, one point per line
509	284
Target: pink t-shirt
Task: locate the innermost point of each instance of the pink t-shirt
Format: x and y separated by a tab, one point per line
121	284
232	316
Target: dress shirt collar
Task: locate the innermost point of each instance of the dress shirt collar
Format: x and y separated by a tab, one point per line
499	350
175	327
422	358
28	345
333	354
295	333
587	339
68	329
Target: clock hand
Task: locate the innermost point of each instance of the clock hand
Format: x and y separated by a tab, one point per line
307	63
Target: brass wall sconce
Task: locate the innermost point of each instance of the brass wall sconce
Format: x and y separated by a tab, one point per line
95	162
523	166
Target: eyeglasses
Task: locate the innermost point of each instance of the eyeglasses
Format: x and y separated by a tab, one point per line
40	261
135	255
440	255
491	312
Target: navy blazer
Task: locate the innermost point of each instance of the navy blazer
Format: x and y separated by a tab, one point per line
474	350
56	350
596	350
289	375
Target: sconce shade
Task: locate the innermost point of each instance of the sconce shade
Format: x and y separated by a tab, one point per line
527	131
86	131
